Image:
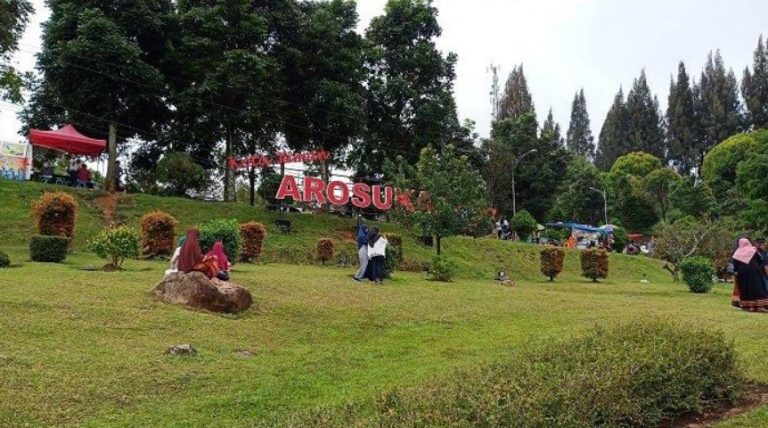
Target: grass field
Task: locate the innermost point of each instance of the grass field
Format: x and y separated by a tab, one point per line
86	348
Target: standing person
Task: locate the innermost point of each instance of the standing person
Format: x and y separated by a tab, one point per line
498	229
750	278
46	172
761	249
362	251
377	250
72	167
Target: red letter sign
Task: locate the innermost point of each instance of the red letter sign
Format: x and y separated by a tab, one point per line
288	188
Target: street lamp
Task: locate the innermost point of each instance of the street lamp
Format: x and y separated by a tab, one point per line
514	167
605	201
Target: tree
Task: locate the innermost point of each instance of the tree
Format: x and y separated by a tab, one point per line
688	237
644	118
410	101
693	199
575	199
179	174
659	185
13	19
450	194
614	134
100	68
523	224
629	195
550	131
754	87
720	110
721	163
580	140
516	99
750	179
683	125
638	164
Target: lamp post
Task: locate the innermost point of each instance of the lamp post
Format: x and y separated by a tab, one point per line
514	167
605	201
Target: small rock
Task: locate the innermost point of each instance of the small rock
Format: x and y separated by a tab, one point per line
245	354
185	349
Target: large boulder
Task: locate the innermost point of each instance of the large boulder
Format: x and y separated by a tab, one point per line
195	290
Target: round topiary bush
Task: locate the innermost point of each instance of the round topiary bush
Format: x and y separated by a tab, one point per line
5	261
440	269
253	235
158	231
226	231
552	259
697	273
324	249
594	264
48	249
523	223
115	245
56	214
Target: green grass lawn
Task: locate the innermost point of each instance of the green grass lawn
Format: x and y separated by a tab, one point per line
86	348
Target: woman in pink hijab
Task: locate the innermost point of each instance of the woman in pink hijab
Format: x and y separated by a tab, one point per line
750	278
217	251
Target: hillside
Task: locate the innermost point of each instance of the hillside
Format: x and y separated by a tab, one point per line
476	258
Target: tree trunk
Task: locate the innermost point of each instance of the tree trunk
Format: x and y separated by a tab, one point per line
437	244
252	185
325	175
227	171
112	158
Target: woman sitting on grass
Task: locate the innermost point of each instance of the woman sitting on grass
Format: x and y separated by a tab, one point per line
218	253
750	281
191	258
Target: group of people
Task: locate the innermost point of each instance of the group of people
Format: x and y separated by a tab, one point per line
78	173
371	251
188	257
750	285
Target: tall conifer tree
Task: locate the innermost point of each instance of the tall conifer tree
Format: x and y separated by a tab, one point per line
550	130
720	109
613	140
645	131
754	87
516	99
580	139
683	132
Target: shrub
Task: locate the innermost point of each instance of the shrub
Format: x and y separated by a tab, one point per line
396	241
632	375
49	249
179	173
253	235
56	214
115	245
594	264
5	261
440	269
697	273
392	260
158	233
324	249
552	261
620	239
226	231
523	223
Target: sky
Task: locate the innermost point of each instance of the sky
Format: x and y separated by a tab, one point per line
564	45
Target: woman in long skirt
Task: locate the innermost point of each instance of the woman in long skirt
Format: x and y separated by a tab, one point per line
750	277
362	251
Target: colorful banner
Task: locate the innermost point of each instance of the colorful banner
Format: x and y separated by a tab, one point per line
15	161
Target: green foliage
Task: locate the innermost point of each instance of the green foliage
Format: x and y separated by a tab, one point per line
441	269
632	204
13	20
116	245
552	259
579	138
324	249
644	127
49	249
392	259
722	162
5	261
635	374
516	100
396	241
594	264
179	174
523	223
719	108
754	87
56	213
270	183
683	127
689	237
614	134
620	239
637	164
659	185
689	198
751	181
550	131
576	201
226	231
697	273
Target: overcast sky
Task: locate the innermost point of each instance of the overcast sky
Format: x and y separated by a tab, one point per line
564	45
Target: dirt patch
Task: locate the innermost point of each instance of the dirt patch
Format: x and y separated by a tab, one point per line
756	397
108	206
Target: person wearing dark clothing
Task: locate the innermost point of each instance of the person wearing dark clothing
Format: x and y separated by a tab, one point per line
362	251
749	266
377	246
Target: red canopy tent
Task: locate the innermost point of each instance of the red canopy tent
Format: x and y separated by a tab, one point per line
67	139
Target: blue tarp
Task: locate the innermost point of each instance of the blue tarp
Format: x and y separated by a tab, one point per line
577	226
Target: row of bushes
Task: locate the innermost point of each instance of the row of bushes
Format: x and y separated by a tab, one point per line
633	375
594	263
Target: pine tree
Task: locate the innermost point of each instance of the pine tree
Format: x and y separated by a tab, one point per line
550	130
516	99
580	140
720	109
754	87
683	130
645	131
613	139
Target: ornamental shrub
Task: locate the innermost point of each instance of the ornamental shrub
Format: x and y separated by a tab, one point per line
48	249
396	241
392	260
552	259
158	232
56	213
5	261
440	269
594	264
620	239
324	249
115	245
226	231
697	273
523	223
252	235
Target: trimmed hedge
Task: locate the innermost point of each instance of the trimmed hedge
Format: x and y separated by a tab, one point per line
552	259
594	264
253	235
324	249
697	273
56	213
48	249
226	231
5	261
634	375
158	233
